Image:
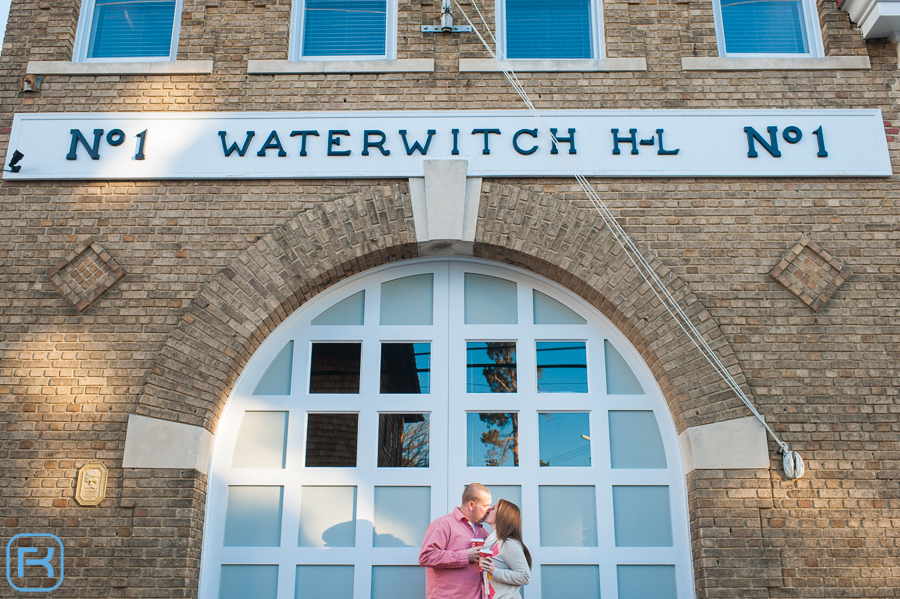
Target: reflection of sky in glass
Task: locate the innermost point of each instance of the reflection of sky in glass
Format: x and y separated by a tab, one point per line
491	367
405	367
492	439
562	439
422	351
562	367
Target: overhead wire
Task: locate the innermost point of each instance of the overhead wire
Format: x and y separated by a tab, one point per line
793	463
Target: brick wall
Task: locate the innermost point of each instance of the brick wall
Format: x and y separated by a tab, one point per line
826	380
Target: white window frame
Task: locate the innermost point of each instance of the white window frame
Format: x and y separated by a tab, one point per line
83	38
598	40
295	48
447	403
813	35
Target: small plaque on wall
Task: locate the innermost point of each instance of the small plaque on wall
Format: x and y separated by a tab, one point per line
91	488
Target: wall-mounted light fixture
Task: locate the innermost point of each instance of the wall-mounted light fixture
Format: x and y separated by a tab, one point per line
14	166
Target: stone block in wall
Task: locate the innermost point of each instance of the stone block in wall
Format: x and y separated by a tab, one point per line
85	274
810	273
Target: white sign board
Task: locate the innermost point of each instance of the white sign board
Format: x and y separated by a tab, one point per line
326	145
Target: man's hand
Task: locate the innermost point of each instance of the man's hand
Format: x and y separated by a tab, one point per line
473	554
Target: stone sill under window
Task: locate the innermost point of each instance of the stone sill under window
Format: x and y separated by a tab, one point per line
721	63
489	65
64	67
302	67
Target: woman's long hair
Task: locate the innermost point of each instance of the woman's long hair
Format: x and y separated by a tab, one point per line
509	524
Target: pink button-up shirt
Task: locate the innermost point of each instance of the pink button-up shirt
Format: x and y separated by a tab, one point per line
448	574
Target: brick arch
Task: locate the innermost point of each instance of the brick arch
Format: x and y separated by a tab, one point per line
247	300
558	240
570	245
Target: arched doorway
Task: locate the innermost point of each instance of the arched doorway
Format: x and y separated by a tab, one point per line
366	412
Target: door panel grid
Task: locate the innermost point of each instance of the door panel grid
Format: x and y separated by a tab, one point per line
586	490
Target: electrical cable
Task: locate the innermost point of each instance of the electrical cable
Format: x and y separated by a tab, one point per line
793	463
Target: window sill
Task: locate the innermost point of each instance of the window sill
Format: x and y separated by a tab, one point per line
64	67
719	63
287	67
489	65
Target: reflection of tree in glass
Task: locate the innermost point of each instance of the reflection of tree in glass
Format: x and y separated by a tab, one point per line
501	438
547	418
403	441
502	435
501	376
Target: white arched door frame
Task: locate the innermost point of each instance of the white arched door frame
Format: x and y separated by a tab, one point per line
447	405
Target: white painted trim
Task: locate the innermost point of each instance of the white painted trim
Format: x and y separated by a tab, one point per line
64	67
489	65
448	402
732	444
407	65
155	443
875	18
858	10
709	143
719	63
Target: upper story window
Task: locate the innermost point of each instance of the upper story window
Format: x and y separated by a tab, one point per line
550	29
344	29
132	30
768	27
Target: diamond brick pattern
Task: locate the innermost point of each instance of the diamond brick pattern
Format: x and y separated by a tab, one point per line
86	274
810	273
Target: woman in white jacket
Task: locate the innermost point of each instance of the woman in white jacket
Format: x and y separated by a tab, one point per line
510	566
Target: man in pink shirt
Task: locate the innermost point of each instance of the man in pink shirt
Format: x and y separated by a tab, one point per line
451	562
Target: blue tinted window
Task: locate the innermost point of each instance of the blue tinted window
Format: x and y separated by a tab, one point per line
491	367
565	439
344	27
764	26
548	29
492	439
562	367
137	28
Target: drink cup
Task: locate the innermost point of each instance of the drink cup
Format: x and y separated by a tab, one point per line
484	553
476	542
